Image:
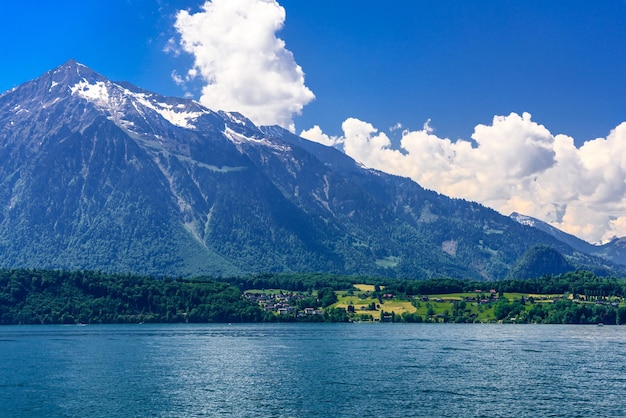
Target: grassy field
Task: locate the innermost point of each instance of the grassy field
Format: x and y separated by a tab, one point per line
365	287
361	306
437	305
454	296
485	295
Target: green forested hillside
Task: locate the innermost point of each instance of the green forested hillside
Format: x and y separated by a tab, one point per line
540	260
57	297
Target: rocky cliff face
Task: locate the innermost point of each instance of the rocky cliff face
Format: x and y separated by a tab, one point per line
102	175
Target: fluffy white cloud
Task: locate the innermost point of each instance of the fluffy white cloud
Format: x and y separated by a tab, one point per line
513	164
246	68
315	134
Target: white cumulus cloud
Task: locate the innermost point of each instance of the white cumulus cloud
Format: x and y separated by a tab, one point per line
244	66
316	134
512	164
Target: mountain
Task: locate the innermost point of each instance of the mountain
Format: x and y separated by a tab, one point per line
540	260
613	251
571	240
102	175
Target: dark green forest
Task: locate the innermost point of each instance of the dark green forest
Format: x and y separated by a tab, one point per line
578	282
61	297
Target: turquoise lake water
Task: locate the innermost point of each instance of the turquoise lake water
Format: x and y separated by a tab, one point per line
312	370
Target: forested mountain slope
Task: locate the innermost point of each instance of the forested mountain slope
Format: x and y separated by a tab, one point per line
106	176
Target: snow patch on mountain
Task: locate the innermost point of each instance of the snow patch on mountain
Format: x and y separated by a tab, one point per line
238	139
523	219
97	93
112	97
179	118
236	118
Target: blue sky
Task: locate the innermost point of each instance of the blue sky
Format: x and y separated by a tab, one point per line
517	86
457	63
461	62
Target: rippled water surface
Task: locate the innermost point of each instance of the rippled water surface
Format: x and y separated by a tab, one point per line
312	370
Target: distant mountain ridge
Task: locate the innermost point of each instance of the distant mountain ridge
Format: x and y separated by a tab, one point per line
614	251
106	176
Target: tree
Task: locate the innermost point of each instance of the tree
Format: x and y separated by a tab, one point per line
502	309
326	296
336	315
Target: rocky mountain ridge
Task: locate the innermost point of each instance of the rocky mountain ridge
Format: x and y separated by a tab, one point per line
106	176
614	250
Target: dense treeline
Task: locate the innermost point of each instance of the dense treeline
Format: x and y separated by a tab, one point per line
311	281
54	297
577	282
562	311
580	282
297	281
61	297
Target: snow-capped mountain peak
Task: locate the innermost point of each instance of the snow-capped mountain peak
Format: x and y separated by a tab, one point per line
98	174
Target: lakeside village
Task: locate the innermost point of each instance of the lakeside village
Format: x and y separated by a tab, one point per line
367	303
288	304
283	303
